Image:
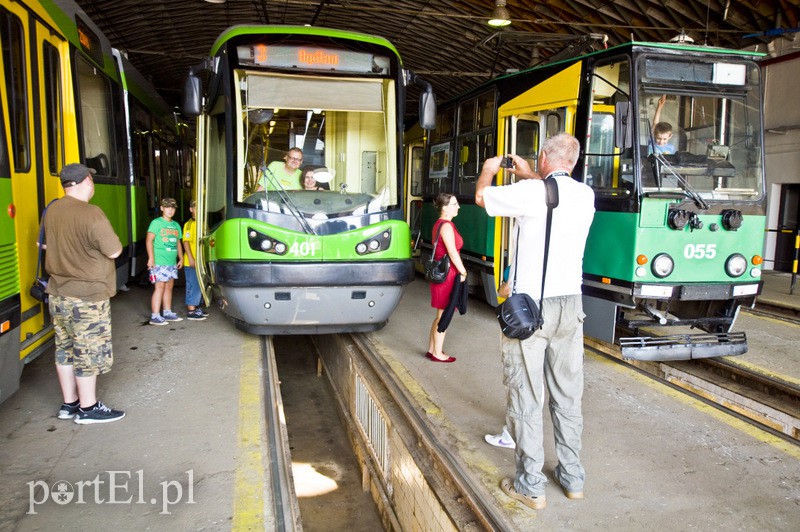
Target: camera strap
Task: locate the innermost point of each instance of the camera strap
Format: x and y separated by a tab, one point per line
551	200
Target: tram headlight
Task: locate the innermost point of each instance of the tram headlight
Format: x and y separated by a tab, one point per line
260	242
736	265
662	265
376	243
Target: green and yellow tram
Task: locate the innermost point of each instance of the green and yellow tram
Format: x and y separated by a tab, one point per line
67	96
282	259
675	247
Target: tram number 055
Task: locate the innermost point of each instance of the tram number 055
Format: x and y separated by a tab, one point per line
700	251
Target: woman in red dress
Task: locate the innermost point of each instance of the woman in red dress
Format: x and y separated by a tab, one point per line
449	242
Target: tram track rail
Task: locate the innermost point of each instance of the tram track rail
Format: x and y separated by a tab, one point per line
766	310
747	392
468	494
284	505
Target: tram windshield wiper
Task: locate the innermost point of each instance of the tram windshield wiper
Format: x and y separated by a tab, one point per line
273	181
661	162
688	191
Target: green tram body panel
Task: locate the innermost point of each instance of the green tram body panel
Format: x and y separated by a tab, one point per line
110	198
616	239
473	224
320	285
9	258
232	237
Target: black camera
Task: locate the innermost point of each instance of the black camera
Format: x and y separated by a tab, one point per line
507	162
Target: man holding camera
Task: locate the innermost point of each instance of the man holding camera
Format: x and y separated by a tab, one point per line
554	354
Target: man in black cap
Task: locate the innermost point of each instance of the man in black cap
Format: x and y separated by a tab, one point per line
81	248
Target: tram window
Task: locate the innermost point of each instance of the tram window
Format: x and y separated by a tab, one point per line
13	43
215	184
485	110
444	125
553	125
466	116
97	117
5	168
527	141
53	108
141	140
472	150
607	170
415	170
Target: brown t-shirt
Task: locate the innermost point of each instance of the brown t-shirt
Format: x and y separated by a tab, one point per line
79	240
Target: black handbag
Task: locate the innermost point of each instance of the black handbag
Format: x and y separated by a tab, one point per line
519	315
436	270
38	290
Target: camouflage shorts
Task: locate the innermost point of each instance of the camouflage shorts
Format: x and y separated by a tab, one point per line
83	334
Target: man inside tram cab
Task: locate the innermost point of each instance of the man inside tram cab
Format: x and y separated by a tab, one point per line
286	172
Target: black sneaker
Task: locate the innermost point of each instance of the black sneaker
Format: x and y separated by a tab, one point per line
202	312
99	414
67	411
195	315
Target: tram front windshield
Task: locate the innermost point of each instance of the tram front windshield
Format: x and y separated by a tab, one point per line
342	126
708	141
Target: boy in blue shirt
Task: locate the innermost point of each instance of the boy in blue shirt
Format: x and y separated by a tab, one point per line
662	131
164	259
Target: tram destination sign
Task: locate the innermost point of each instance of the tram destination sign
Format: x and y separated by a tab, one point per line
312	58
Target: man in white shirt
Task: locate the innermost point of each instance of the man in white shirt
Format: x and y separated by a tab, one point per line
554	354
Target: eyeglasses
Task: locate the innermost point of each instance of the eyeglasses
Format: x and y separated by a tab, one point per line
298	159
453	203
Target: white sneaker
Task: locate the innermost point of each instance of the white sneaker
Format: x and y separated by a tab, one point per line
501	440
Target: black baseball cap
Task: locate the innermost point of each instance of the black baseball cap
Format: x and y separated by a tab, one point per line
75	173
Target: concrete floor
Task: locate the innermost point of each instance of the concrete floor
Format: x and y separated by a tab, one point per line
654	459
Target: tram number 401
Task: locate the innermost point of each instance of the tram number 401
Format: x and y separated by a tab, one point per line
700	251
303	249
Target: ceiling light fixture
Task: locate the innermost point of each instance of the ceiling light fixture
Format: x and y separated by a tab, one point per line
500	16
216	1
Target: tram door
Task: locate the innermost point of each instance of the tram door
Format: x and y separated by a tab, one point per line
415	155
788	224
36	80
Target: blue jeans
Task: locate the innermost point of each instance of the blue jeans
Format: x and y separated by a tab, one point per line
552	356
193	294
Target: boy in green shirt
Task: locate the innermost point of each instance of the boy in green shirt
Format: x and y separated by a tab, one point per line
164	259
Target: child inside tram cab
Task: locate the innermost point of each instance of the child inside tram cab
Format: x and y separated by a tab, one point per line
662	131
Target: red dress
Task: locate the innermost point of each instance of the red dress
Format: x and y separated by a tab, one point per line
440	293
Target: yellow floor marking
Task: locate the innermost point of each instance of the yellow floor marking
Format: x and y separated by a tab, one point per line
763	371
760	435
249	481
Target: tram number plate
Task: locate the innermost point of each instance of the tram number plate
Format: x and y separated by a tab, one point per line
695	293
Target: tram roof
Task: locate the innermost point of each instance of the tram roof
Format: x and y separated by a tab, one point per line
446	41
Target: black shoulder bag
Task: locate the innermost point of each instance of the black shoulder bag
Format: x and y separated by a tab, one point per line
436	270
519	315
39	289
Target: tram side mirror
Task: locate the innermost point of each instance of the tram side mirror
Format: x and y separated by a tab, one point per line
427	101
192	89
622	125
427	110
